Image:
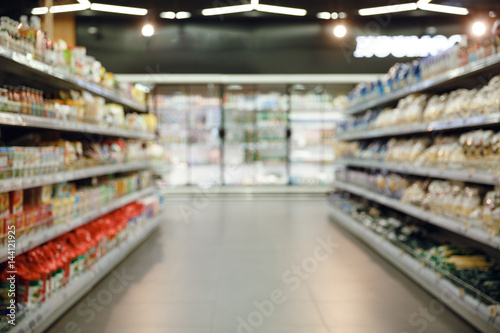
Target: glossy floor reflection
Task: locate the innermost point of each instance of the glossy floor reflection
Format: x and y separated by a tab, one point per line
245	266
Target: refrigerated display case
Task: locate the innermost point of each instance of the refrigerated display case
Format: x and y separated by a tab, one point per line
313	121
255	144
248	134
190	119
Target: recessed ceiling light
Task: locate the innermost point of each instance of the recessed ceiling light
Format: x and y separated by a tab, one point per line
342	15
167	15
340	31
92	30
148	30
478	28
323	15
335	15
182	15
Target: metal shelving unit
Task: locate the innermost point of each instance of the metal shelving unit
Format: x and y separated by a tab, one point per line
20	64
13	184
41	317
487	237
481	316
22	120
440	125
471	174
39	237
451	79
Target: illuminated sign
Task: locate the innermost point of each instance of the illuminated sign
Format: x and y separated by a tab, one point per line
403	46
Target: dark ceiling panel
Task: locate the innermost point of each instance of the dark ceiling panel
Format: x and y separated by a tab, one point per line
15	8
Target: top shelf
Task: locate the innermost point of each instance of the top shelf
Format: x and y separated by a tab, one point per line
19	64
455	78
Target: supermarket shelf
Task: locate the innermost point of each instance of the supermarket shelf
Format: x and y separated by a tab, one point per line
15	119
17	63
315	162
476	313
470	175
441	125
255	189
37	238
249	126
452	76
317	145
480	235
41	318
13	184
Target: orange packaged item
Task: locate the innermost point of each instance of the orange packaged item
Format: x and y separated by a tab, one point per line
19	221
4	204
16	201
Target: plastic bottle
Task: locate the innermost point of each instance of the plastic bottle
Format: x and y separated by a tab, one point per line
24	31
4	31
40	38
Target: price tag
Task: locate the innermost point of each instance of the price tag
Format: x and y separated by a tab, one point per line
422	264
443	168
493	310
421	208
472	170
467	226
438	276
496	174
461	292
492	233
401	252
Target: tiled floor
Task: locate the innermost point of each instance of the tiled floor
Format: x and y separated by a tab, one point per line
246	266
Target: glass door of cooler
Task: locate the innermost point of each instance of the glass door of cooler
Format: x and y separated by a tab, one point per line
239	135
271	135
172	108
313	121
205	122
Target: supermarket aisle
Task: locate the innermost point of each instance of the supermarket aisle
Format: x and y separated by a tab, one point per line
256	266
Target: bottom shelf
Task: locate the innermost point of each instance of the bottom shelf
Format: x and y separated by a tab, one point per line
478	314
40	319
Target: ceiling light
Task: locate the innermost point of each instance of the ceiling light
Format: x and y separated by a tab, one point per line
39	11
227	10
118	9
92	30
340	31
479	28
148	30
443	9
254	5
388	9
342	15
492	14
84	2
167	15
182	15
68	8
335	15
323	15
282	10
